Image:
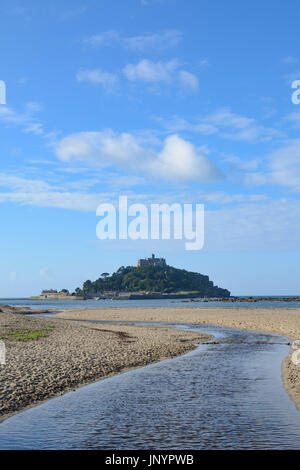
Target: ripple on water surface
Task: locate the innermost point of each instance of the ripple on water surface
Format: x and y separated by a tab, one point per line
220	396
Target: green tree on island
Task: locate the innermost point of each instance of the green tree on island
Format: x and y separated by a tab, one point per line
153	279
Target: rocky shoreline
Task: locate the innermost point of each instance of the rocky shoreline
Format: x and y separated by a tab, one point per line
247	299
22	310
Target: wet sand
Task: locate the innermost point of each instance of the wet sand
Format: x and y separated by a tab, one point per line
283	321
70	354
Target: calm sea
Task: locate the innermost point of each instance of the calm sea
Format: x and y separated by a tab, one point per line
60	304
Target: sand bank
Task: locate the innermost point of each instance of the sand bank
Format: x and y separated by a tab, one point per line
47	357
283	321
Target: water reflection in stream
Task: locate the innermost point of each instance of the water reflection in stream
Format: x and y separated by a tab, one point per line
221	396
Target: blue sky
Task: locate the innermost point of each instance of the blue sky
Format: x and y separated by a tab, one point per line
162	101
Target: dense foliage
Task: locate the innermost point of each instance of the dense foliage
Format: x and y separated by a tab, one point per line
154	279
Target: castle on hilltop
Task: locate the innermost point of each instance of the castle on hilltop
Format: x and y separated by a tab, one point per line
152	261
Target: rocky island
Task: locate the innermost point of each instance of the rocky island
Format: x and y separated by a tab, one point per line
152	278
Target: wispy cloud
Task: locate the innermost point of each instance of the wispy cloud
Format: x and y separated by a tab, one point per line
40	193
204	62
244	221
221	197
188	80
107	80
227	124
240	127
282	167
148	71
163	40
103	39
290	77
249	164
268	225
73	13
293	119
151	41
34	128
26	119
290	60
161	72
178	124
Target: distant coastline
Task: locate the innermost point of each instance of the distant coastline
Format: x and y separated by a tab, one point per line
67	297
193	297
251	299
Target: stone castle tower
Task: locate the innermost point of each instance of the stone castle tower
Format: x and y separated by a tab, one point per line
152	261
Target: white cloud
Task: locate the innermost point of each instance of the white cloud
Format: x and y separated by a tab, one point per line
161	72
282	167
255	179
220	197
73	13
78	201
251	225
204	62
225	118
37	192
26	120
242	128
102	149
251	164
157	41
98	77
145	71
17	183
290	77
177	124
102	39
294	119
33	107
149	71
164	40
178	158
255	223
35	128
59	200
227	124
265	226
188	80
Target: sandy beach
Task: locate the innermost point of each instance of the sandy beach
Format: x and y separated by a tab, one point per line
68	354
48	357
283	321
